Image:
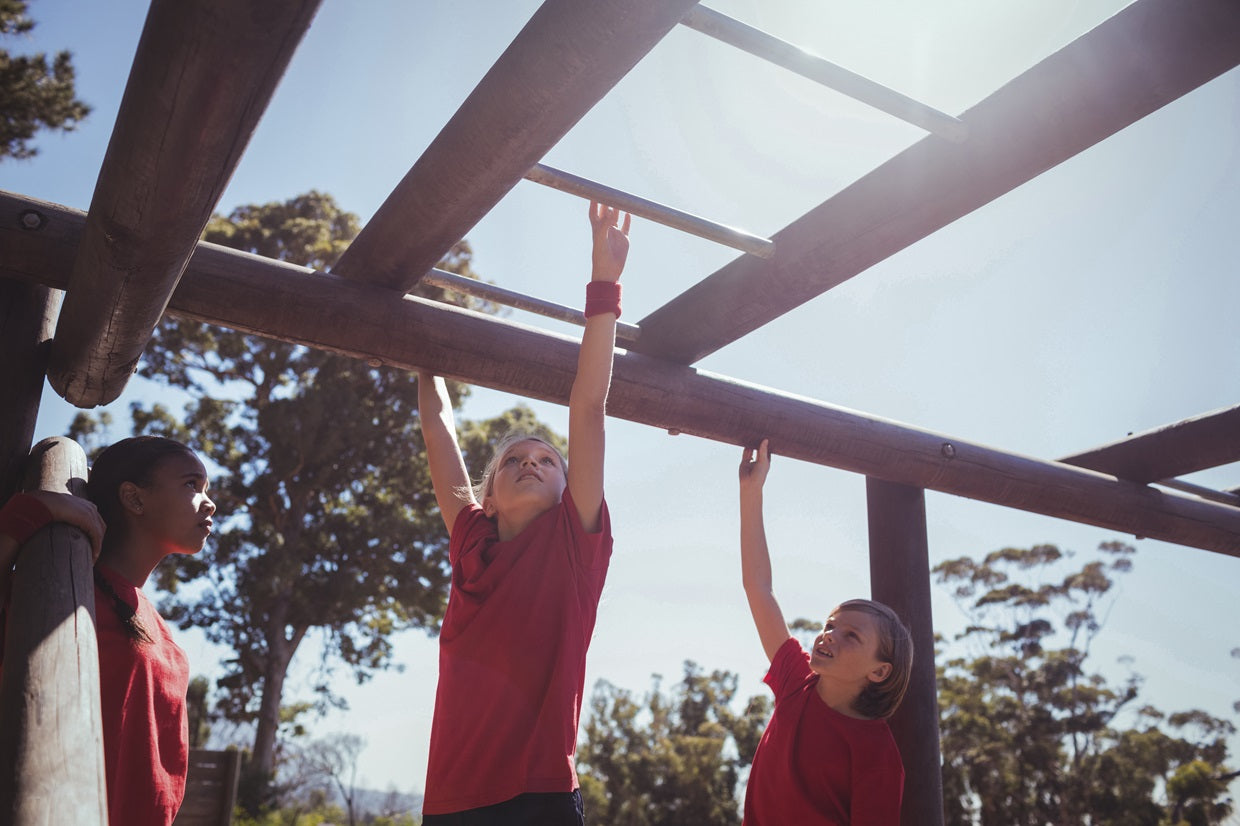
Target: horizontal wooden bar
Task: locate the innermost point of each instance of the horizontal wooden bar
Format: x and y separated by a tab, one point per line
1151	53
1199	443
500	295
565	60
1224	496
659	213
203	73
808	65
290	303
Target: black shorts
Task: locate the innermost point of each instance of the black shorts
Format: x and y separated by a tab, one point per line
531	809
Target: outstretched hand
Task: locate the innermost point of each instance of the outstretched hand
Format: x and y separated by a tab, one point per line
755	465
611	242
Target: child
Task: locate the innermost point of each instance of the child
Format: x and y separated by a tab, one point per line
150	500
827	756
529	549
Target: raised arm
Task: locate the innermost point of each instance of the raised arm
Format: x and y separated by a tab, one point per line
588	399
443	454
755	557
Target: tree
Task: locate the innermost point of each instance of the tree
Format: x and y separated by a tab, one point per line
33	94
328	522
671	758
1029	737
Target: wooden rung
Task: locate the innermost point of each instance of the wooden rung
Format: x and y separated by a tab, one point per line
808	65
659	213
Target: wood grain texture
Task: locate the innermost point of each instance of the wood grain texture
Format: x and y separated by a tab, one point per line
203	73
294	304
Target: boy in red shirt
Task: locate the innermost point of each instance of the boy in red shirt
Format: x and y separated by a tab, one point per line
827	757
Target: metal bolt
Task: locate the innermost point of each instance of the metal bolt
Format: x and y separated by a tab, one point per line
375	362
948	450
673	432
32	220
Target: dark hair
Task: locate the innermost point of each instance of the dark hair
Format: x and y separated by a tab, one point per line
895	646
129	460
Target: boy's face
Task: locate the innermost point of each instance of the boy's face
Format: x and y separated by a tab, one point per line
528	475
846	650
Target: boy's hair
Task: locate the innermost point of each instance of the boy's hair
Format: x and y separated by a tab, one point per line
483	488
895	646
129	460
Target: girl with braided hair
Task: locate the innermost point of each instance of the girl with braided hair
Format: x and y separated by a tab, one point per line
148	499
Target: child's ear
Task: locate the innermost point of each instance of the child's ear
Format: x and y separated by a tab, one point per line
488	507
130	496
881	673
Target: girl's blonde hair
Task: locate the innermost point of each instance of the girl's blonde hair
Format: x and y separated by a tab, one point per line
483	488
895	646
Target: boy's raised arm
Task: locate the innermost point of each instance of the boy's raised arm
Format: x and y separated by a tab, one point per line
755	556
589	394
443	454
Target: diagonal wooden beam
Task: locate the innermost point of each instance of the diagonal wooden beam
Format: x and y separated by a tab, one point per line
201	78
1141	59
1199	443
565	60
295	304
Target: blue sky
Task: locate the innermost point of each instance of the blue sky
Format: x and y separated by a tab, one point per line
1094	301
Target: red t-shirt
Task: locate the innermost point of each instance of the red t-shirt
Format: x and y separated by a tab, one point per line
815	766
142	691
145	727
512	658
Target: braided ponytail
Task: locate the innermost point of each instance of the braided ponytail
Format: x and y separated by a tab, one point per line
127	615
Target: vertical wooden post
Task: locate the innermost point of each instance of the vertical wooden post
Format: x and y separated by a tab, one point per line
51	733
900	577
27	320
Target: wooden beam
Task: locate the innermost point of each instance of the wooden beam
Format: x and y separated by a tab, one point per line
565	60
1141	59
203	73
291	303
1199	443
27	318
51	726
900	578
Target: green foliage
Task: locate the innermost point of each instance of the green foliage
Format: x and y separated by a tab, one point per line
1030	737
34	94
671	758
327	521
199	717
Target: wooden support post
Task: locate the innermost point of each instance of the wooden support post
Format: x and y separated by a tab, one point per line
27	320
900	577
51	730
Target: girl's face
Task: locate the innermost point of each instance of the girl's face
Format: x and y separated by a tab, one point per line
847	649
175	510
529	475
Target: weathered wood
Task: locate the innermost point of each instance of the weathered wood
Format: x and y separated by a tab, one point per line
1141	59
563	61
210	788
900	578
51	730
27	318
294	304
201	78
1199	443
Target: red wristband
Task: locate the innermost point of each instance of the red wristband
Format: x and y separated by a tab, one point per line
602	297
23	516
